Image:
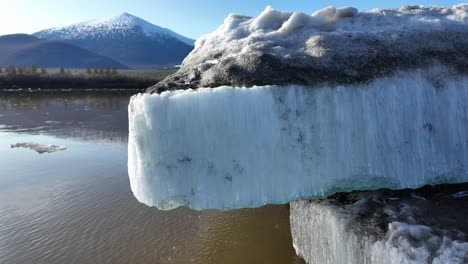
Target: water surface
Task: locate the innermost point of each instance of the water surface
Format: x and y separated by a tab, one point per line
76	206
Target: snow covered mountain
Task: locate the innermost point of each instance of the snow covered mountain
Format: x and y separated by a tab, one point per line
117	26
126	38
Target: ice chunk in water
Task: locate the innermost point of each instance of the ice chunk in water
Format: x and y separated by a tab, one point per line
234	147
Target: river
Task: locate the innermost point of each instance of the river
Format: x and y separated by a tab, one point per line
76	205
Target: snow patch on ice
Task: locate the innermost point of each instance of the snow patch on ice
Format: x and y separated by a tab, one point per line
326	233
282	33
332	45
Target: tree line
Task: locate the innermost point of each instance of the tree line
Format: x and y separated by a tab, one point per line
12	71
105	71
33	77
22	70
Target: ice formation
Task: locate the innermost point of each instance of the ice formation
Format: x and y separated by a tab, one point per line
39	148
333	45
422	226
231	147
338	101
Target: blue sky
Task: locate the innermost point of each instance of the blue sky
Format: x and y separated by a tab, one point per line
188	17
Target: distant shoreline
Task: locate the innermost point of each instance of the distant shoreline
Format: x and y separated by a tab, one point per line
31	79
57	82
71	90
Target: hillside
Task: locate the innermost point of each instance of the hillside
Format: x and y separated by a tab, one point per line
125	38
22	49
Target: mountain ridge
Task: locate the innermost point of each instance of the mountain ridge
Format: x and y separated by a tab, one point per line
122	21
24	49
125	38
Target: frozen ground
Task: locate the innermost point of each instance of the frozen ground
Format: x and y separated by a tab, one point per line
427	225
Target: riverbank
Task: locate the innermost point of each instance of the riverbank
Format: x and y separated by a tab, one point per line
30	91
79	79
57	81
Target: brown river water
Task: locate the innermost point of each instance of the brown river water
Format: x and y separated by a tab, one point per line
76	205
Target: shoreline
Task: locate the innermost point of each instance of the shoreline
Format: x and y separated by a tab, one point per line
69	90
69	81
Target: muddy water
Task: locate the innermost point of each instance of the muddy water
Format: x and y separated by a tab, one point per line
76	206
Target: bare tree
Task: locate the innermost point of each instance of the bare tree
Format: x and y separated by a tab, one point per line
11	71
21	70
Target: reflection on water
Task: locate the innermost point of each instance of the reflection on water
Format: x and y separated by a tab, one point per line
76	206
91	116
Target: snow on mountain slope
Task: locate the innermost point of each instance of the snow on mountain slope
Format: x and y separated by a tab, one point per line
127	39
123	24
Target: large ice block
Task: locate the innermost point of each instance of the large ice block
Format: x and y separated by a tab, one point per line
232	147
427	226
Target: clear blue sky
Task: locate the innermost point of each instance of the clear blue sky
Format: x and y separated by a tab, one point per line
191	18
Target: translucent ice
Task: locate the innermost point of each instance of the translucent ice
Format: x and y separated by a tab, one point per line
234	147
382	227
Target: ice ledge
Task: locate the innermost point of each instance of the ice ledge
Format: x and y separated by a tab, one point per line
427	225
235	147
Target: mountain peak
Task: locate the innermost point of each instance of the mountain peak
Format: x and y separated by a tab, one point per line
125	14
121	20
100	28
128	15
